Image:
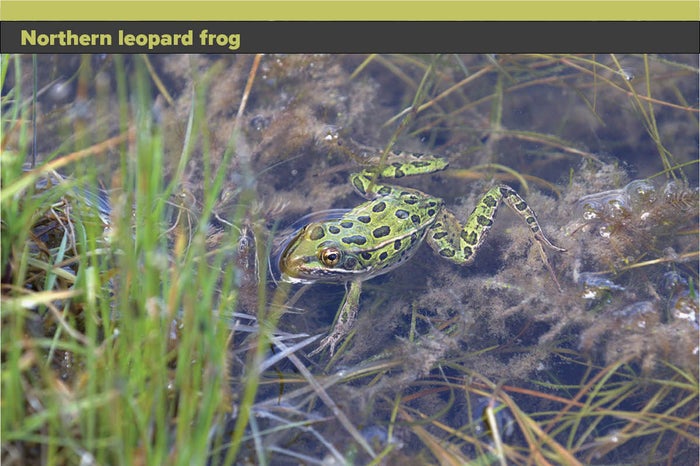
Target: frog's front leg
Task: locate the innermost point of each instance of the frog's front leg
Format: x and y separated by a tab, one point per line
459	243
344	320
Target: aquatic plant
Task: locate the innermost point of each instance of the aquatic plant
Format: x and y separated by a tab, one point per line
208	160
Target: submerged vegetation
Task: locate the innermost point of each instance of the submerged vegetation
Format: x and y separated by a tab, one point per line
145	200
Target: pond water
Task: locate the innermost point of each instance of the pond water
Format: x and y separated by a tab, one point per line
444	362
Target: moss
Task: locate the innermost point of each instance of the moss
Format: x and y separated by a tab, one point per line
580	139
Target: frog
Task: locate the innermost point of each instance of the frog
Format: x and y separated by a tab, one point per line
384	232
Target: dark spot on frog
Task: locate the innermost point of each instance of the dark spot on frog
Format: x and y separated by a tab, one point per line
317	233
484	221
358	186
381	231
401	214
489	201
468	252
469	238
379	206
350	263
354	239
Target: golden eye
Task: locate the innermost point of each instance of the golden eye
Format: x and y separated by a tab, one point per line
329	256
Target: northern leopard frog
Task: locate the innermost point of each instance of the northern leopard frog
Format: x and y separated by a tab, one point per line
384	232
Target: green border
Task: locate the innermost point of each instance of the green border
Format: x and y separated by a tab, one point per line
358	10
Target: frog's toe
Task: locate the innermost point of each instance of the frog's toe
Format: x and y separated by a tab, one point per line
330	341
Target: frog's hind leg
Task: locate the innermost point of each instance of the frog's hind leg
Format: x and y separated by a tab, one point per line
365	182
459	243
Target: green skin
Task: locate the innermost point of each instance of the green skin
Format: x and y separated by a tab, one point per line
379	235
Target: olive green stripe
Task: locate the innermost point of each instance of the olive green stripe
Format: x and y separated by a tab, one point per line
361	10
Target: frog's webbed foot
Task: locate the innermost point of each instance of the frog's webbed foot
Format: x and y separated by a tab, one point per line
541	241
344	320
520	207
330	341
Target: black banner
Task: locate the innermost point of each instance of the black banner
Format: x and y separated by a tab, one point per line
349	37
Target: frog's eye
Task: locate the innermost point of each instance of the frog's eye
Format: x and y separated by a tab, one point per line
329	256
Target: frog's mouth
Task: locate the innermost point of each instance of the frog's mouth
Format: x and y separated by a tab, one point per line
291	271
290	279
287	265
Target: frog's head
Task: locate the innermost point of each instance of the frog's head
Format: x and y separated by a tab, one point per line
310	256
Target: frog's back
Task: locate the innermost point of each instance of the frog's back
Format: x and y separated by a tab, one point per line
385	232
